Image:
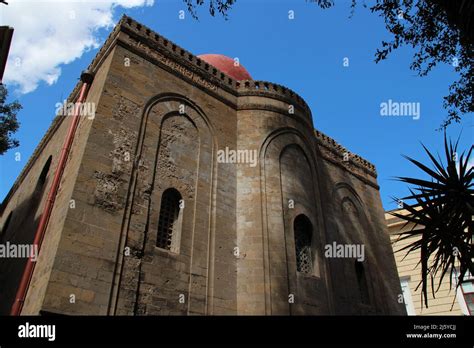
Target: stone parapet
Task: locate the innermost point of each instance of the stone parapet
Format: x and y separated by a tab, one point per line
336	152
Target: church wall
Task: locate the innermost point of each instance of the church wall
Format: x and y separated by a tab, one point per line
67	205
25	206
355	216
110	220
28	202
266	268
160	124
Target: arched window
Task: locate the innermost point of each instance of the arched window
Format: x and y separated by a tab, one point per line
3	232
169	223
362	282
303	233
43	175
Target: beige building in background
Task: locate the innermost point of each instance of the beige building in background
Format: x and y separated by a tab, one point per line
447	301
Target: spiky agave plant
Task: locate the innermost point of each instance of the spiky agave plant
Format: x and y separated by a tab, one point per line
444	208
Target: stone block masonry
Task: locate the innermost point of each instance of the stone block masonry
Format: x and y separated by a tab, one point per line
161	226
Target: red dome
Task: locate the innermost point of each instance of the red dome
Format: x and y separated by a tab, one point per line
226	65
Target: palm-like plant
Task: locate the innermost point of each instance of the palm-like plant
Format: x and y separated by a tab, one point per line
444	208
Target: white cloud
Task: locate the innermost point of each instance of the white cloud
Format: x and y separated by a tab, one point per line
51	33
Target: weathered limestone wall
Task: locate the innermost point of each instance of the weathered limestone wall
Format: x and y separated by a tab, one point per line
28	202
266	267
355	216
68	205
162	117
25	206
139	122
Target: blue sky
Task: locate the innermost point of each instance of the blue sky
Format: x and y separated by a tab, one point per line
305	54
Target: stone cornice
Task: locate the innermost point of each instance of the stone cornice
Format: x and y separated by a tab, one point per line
188	65
266	107
275	91
347	159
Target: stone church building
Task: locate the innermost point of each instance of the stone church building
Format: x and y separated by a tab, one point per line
161	210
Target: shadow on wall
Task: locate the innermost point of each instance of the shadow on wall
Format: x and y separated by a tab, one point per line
369	287
19	229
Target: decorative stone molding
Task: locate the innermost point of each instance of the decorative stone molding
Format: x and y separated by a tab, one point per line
192	67
265	107
273	90
336	152
171	63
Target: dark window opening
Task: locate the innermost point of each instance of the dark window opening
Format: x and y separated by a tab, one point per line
362	282
3	233
43	176
169	222
303	232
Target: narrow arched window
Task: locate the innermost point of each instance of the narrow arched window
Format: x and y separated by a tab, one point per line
303	233
362	282
3	232
43	175
170	221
